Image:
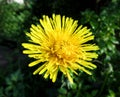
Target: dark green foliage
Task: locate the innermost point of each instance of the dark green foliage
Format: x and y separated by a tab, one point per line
13	18
14	86
101	16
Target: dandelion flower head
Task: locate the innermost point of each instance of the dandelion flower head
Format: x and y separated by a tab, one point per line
61	45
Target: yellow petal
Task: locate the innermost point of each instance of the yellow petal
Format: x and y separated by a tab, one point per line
69	78
39	69
46	74
34	63
55	75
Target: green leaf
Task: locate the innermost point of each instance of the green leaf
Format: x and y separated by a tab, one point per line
62	91
74	86
111	93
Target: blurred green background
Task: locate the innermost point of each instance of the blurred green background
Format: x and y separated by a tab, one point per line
101	16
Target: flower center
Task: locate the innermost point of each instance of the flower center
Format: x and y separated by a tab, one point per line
64	51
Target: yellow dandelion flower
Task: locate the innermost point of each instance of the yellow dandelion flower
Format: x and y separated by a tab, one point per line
61	45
